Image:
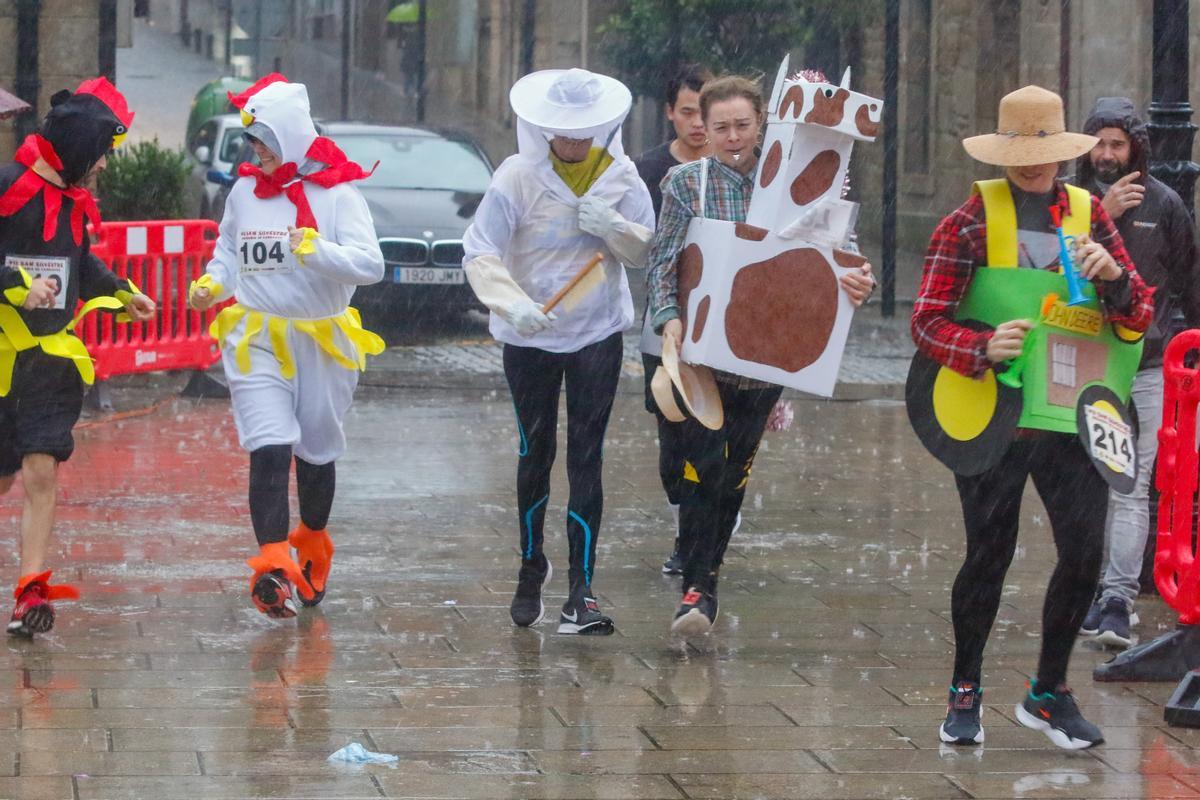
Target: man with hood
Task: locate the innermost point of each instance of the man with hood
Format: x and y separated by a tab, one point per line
1160	238
569	192
47	269
295	241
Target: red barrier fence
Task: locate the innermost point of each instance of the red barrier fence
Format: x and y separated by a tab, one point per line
162	258
1176	570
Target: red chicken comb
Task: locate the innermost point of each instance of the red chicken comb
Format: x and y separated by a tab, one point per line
239	100
108	94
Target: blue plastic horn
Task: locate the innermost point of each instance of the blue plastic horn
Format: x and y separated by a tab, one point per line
1075	295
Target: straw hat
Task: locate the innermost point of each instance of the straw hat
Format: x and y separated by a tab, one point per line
1032	130
568	101
694	383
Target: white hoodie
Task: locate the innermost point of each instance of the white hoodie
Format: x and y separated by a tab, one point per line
252	259
529	220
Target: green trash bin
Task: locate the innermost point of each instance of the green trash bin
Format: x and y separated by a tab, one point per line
212	101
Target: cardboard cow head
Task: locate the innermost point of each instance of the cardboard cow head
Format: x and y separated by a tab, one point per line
761	298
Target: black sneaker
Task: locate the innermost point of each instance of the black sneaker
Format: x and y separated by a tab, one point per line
272	595
963	712
1091	623
1056	715
581	615
527	608
697	612
1114	624
674	564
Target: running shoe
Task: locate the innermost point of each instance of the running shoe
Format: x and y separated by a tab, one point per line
33	612
581	614
1114	624
1057	715
674	564
527	607
697	613
272	595
963	712
314	553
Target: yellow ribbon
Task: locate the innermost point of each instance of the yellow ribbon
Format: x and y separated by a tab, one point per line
17	295
348	322
307	246
205	281
16	337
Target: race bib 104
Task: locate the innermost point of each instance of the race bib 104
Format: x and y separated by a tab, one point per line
54	269
264	251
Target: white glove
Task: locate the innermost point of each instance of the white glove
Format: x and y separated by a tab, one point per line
627	240
598	217
527	317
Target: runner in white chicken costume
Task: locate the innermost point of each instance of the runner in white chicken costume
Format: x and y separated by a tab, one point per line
295	241
569	192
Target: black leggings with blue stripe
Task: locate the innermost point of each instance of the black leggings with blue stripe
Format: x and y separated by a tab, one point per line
535	377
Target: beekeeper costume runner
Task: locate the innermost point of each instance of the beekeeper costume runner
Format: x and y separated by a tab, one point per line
296	239
569	192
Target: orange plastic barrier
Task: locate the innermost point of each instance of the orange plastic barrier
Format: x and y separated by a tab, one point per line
1176	570
162	257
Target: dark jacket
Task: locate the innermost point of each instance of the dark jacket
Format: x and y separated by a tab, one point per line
21	235
1159	234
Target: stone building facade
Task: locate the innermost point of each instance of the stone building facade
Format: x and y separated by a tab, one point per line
69	52
957	59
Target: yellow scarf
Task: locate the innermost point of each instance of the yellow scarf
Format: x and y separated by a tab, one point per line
580	175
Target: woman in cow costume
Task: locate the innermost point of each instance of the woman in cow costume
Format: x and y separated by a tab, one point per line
295	241
718	461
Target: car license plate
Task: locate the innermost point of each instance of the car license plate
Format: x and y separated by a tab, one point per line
427	275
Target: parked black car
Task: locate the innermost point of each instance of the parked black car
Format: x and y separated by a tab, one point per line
422	197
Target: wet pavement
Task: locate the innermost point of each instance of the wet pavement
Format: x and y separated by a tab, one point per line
824	678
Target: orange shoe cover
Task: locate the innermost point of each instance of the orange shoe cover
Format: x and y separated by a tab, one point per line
314	551
277	556
63	591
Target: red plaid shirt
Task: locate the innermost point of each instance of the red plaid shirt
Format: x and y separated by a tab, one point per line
959	245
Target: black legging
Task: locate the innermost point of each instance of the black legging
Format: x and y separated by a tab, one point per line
535	377
670	446
1076	499
270	468
722	461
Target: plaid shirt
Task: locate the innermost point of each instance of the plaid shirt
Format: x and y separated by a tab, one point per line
726	196
959	245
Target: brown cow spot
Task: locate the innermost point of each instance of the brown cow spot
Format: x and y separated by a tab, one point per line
691	270
816	178
752	233
701	317
862	120
770	167
792	103
781	311
828	107
845	258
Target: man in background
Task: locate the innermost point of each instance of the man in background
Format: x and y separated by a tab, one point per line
689	143
1160	238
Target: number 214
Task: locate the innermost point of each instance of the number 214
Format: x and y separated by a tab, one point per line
1111	443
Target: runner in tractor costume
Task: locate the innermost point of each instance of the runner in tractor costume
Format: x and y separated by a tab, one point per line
295	241
1011	360
47	270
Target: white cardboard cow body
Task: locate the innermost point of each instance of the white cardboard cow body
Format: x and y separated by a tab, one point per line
761	298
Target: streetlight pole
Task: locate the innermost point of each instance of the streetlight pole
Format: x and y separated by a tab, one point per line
891	132
1171	128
